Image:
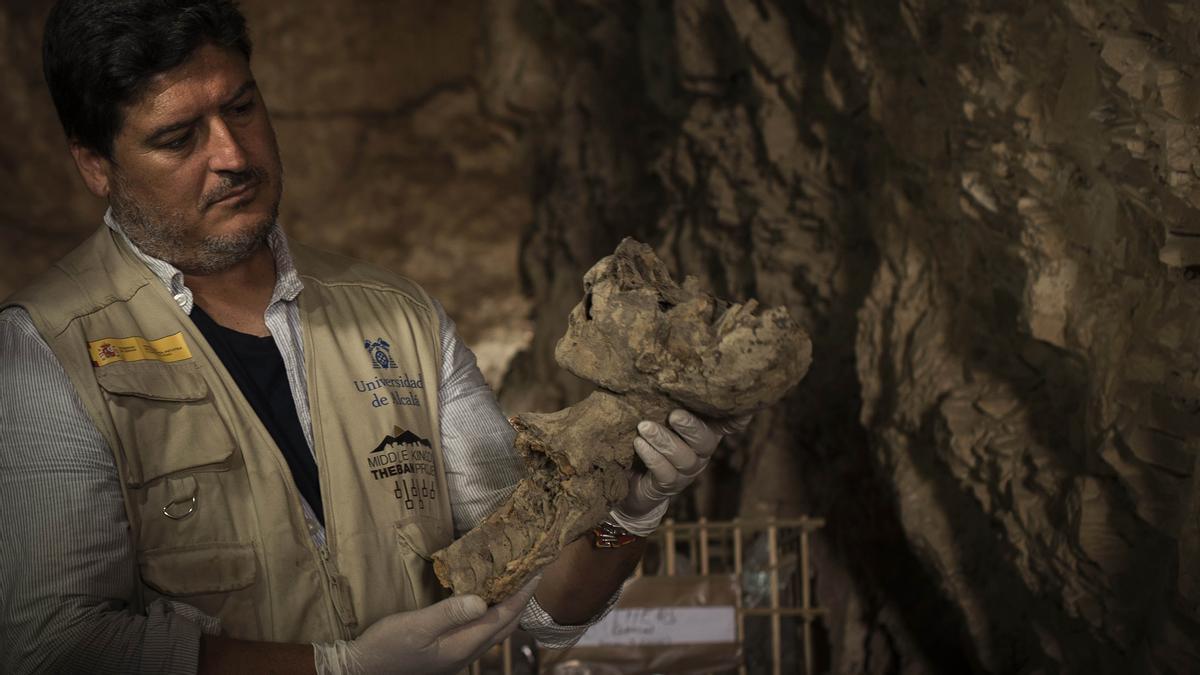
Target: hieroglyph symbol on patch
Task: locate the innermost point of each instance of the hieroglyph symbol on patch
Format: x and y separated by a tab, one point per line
409	460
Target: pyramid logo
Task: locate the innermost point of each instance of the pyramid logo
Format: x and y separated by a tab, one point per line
403	454
401	437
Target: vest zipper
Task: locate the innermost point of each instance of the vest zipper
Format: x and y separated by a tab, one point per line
338	593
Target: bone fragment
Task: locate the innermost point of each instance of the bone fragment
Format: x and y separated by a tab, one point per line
650	345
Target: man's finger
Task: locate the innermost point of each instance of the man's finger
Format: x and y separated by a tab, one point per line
452	613
656	435
702	439
510	626
736	425
500	635
514	604
484	630
521	596
675	449
663	474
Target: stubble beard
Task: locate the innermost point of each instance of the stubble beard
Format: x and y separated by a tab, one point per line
163	233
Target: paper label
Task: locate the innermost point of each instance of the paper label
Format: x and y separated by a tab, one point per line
663	626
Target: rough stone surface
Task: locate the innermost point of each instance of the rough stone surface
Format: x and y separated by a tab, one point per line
982	212
386	152
651	345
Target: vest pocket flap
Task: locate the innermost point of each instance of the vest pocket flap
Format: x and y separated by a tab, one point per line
196	570
166	420
170	458
154	381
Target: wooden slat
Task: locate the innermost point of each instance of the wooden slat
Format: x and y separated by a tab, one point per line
812	613
806	603
776	620
669	545
737	570
804	523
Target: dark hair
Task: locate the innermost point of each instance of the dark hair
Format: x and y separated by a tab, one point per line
99	55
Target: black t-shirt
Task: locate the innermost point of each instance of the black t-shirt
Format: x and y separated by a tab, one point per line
257	367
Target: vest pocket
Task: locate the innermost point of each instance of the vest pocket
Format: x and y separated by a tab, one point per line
165	419
178	454
212	578
423	539
200	569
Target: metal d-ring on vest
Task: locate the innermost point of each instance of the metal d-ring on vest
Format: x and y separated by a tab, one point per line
190	511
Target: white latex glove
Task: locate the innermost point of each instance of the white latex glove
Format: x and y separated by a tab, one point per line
444	637
673	459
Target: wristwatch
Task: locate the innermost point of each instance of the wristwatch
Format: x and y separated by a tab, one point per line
611	535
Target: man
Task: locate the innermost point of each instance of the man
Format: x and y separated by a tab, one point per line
199	416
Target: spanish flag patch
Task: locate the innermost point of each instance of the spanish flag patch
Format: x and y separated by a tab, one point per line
165	349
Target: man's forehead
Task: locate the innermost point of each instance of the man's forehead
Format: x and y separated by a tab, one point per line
206	80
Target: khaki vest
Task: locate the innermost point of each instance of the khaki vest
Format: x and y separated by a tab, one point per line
215	517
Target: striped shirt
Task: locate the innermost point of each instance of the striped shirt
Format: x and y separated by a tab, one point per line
68	570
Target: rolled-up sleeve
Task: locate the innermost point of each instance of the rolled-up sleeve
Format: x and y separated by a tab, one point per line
68	572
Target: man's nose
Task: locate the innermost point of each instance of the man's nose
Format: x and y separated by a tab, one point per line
225	152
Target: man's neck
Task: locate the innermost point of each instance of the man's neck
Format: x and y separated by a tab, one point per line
237	298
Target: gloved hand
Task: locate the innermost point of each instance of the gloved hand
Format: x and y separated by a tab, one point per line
673	459
444	637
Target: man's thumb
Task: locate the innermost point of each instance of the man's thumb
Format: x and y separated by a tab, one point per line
453	612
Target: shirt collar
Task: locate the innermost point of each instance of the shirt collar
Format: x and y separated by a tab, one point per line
287	281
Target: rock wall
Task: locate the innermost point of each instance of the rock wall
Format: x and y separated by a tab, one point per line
983	212
985	215
386	153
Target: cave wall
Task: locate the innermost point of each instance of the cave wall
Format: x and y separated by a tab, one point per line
387	155
985	215
983	212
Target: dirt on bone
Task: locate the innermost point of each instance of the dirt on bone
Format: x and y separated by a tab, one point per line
651	345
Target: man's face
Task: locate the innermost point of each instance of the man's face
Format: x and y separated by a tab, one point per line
195	178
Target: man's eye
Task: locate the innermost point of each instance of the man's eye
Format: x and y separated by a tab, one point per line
244	108
178	143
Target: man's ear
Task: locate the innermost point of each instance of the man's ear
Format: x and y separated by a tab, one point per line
94	168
